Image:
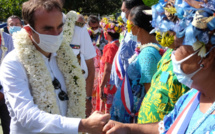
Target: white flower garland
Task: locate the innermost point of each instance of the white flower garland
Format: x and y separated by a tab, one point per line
3	48
40	79
140	47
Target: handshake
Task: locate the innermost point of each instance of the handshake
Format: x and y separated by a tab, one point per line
99	123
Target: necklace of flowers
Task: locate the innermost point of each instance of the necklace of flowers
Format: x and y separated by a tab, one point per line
140	47
39	76
3	48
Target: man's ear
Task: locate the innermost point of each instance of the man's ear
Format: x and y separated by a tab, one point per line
209	60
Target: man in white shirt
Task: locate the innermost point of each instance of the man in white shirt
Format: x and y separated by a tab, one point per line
37	92
83	48
82	44
6	45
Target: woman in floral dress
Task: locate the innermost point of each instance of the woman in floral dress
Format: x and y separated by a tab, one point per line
96	64
105	90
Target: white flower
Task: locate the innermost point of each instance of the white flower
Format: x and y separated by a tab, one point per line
199	45
40	79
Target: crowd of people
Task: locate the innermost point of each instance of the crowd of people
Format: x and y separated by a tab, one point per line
148	73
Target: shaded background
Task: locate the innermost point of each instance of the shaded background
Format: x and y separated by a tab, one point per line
85	7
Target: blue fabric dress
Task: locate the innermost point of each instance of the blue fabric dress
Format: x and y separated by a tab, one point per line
207	127
140	71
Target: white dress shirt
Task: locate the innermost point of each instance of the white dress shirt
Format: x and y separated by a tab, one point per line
87	51
26	117
82	38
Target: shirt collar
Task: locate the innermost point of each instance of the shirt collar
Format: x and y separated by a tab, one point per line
52	56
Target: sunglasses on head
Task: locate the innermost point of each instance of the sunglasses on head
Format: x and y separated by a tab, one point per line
62	95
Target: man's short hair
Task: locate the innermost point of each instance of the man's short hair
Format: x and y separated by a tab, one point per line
29	8
93	19
14	17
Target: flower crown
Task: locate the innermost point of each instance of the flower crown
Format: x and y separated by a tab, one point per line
90	31
110	26
194	22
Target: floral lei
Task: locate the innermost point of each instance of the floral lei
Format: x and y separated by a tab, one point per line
140	47
3	48
40	79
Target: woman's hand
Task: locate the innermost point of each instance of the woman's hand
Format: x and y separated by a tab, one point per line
103	96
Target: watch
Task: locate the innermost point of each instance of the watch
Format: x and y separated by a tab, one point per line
89	98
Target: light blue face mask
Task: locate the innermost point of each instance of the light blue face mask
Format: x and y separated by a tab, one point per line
183	78
14	29
123	15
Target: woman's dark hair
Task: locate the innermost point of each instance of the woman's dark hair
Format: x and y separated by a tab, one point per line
114	36
140	18
129	4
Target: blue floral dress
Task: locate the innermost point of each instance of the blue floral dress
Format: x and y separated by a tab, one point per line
207	127
140	71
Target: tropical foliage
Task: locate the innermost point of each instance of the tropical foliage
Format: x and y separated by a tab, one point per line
85	7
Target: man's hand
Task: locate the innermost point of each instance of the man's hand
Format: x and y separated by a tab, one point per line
94	124
113	127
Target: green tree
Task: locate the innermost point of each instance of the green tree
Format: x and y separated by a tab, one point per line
102	7
10	7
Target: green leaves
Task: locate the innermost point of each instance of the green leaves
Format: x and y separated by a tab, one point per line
85	7
10	7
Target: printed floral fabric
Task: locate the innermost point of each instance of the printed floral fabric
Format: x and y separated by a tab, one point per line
207	127
162	95
109	52
96	84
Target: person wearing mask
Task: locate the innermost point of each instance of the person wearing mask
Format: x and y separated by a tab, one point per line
143	64
43	84
84	51
120	64
106	92
6	45
98	40
97	35
14	24
193	65
165	88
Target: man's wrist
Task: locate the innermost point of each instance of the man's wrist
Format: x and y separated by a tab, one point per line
82	125
127	128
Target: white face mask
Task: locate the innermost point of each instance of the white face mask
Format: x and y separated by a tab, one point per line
123	15
181	76
49	43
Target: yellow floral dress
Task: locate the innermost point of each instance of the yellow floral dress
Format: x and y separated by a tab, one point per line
165	90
